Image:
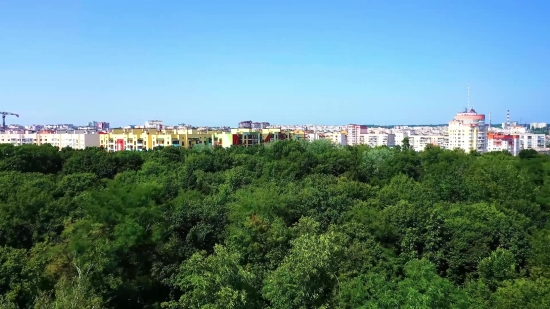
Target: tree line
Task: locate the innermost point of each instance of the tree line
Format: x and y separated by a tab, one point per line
283	225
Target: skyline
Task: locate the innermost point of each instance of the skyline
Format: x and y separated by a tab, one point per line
218	63
521	121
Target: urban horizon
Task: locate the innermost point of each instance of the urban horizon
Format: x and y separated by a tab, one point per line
494	123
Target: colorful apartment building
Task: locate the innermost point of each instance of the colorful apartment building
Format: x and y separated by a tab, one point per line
251	137
142	139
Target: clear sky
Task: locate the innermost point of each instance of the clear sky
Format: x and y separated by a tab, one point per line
285	61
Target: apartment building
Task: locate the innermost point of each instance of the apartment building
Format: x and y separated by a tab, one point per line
377	139
468	131
532	141
353	132
419	142
400	135
337	138
153	124
142	139
75	139
538	125
250	137
503	142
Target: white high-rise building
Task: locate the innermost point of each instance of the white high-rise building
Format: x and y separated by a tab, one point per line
532	141
468	131
354	132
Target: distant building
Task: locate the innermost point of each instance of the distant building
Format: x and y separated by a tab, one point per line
354	132
102	125
98	125
153	124
468	131
532	141
74	139
248	124
338	138
377	139
503	142
142	139
419	142
245	124
400	135
538	125
250	137
517	130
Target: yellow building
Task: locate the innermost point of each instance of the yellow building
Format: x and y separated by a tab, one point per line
140	139
251	137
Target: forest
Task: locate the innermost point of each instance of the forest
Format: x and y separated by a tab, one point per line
284	225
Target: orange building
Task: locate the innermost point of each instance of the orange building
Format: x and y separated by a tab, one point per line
500	142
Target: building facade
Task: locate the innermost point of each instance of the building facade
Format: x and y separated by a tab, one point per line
250	137
353	133
143	139
468	131
72	139
419	142
532	141
503	142
337	138
377	139
146	139
153	124
400	135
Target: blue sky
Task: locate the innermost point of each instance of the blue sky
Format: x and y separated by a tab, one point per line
220	62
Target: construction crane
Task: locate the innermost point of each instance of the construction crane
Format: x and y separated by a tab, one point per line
4	114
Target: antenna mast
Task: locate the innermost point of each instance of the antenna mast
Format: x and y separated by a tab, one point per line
468	109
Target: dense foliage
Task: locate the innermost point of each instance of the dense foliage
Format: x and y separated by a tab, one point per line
285	225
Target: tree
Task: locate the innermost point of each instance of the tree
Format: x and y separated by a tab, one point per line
288	224
307	275
215	281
